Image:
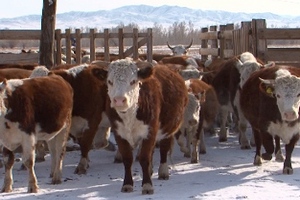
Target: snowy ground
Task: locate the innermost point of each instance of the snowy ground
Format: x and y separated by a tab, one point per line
225	172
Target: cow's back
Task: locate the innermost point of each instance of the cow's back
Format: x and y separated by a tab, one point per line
37	105
175	98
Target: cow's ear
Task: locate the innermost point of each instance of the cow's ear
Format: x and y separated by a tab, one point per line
3	84
100	73
267	87
145	71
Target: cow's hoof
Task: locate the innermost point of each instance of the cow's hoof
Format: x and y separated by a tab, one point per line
202	151
288	170
127	188
80	170
147	189
33	189
267	156
193	161
6	189
187	155
279	157
221	139
257	161
244	147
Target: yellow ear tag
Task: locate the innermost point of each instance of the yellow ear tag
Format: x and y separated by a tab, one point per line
269	90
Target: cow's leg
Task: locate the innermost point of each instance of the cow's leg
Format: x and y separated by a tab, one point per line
57	148
202	143
145	159
28	158
287	167
268	144
165	147
40	151
127	157
223	129
101	139
257	137
8	161
180	138
85	142
244	142
278	153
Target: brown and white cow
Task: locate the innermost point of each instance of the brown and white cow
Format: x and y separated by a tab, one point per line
270	101
188	130
227	83
208	112
32	110
145	105
90	93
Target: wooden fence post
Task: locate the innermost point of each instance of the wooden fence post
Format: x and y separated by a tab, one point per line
204	44
149	45
214	42
78	46
58	46
222	41
135	43
260	45
121	43
68	45
106	45
92	45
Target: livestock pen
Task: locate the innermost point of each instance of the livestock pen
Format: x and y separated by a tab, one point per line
221	41
253	36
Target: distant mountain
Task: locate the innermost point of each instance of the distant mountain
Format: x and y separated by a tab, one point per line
146	16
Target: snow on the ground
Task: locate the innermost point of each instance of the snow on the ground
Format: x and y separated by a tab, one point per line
225	172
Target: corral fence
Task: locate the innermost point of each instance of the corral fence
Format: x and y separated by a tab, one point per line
223	42
65	39
253	36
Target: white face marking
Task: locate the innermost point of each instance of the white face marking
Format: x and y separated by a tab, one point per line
39	71
287	93
284	131
76	69
123	84
191	112
179	50
246	69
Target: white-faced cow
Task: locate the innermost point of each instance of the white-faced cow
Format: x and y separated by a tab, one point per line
208	112
146	105
180	49
32	110
270	101
188	130
90	93
227	83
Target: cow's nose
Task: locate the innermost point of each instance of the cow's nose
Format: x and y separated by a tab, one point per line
119	101
290	115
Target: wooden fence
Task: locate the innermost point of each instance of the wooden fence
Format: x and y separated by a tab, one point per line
252	36
223	41
138	40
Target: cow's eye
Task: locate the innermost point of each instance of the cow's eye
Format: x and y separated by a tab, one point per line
277	95
109	82
133	82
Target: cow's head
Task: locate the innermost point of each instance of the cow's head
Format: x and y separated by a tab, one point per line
286	90
192	110
246	68
180	50
123	80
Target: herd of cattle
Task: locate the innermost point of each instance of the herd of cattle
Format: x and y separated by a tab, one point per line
145	105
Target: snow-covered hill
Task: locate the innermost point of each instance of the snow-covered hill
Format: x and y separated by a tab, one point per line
146	16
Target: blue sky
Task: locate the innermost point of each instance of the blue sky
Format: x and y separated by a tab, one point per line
14	8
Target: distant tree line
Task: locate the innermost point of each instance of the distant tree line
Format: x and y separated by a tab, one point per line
177	33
